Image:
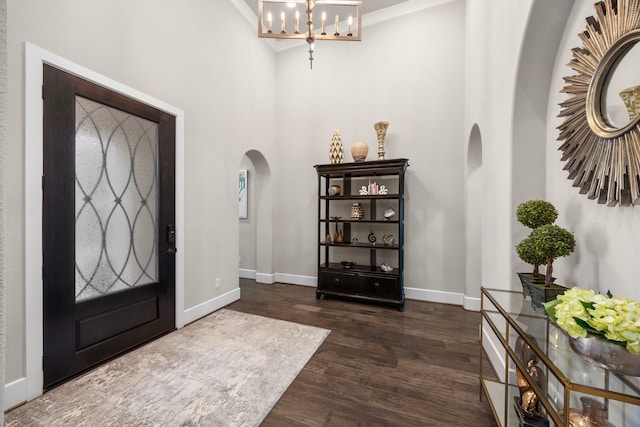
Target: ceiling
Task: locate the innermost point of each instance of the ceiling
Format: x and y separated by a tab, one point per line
368	6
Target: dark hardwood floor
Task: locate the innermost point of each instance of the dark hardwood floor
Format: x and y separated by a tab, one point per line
379	366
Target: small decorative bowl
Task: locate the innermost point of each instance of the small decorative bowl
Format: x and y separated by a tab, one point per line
347	264
389	213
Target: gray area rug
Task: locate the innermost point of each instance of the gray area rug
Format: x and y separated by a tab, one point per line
227	369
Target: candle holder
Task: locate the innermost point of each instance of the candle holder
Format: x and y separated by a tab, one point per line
381	130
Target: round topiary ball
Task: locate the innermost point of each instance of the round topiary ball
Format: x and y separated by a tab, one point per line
536	213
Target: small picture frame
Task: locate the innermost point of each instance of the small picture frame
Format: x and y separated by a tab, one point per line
243	189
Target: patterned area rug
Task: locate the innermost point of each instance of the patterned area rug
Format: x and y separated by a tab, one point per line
227	369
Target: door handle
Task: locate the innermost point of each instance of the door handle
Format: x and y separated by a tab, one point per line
171	233
171	238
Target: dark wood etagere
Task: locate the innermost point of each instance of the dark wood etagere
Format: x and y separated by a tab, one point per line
365	280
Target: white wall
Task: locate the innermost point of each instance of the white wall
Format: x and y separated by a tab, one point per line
495	30
199	56
3	143
545	25
408	71
607	255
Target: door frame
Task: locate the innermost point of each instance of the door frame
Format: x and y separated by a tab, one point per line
35	57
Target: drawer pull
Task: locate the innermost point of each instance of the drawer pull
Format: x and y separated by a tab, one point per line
336	280
376	284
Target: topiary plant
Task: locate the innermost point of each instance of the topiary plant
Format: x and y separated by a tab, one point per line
533	214
526	252
549	242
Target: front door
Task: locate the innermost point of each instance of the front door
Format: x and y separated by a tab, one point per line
108	224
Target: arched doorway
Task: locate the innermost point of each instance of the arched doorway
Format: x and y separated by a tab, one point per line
474	214
256	230
531	117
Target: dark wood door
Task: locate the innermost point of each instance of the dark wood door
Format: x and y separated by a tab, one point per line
108	224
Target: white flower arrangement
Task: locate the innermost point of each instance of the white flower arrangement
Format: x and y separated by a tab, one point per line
580	312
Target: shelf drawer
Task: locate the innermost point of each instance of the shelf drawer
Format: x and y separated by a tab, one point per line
355	283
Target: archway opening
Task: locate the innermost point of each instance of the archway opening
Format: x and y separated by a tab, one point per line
474	214
255	260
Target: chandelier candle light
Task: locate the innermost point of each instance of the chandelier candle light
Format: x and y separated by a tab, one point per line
338	8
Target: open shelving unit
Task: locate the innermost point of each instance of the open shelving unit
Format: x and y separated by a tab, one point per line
365	280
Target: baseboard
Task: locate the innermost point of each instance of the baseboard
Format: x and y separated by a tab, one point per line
295	279
243	273
194	313
471	304
292	279
434	296
15	393
265	278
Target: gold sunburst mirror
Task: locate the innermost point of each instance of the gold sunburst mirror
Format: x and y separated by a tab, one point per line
601	129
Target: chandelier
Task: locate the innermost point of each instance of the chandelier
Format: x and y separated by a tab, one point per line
336	20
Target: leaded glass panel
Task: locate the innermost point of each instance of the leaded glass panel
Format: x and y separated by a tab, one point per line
116	200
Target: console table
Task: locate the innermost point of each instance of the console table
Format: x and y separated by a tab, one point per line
506	318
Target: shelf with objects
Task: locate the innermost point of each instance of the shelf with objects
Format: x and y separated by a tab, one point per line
531	376
361	230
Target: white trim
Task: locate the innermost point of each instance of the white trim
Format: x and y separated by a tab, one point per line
434	296
194	313
455	298
295	279
291	279
33	223
243	273
265	278
14	393
416	294
35	57
180	245
471	304
398	10
247	12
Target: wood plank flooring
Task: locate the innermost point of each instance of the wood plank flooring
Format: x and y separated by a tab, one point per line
378	367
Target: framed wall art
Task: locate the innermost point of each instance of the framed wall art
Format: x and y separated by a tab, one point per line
243	186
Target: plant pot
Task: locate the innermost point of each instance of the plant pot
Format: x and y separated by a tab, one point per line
537	279
529	278
534	287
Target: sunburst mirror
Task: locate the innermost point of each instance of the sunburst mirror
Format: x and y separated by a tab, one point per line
601	129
